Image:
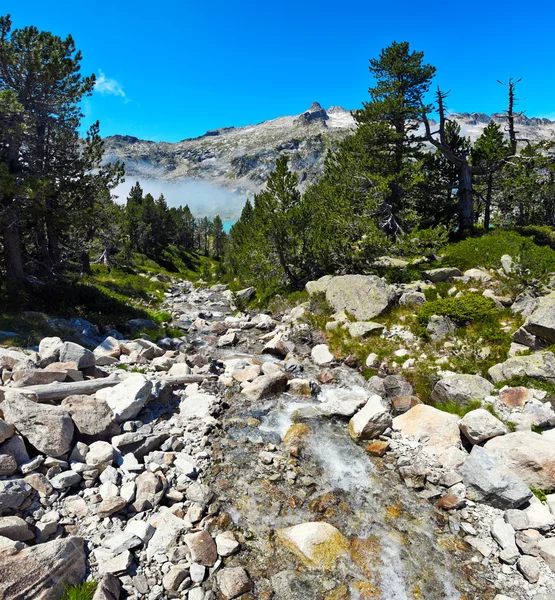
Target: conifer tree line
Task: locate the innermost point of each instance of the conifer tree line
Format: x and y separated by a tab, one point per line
57	211
401	185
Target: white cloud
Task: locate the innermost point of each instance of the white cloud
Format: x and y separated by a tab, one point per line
108	87
204	198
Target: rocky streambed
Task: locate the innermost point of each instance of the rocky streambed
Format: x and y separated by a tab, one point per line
242	461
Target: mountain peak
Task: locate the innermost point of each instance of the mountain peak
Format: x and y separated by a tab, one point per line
314	113
315	107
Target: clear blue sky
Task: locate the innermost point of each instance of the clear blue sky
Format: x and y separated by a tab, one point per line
174	69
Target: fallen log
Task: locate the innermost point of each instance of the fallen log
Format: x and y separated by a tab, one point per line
52	392
60	390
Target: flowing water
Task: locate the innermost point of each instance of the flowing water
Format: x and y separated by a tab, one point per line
401	548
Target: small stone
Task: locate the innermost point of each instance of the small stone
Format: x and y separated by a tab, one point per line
110	506
529	567
197	572
450	502
377	448
226	544
233	582
202	547
173	578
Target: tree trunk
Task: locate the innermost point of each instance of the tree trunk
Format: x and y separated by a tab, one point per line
487	211
12	249
466	200
85	263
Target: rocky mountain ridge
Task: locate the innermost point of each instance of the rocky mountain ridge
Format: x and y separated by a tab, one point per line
241	158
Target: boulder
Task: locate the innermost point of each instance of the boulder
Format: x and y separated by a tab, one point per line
542	320
318	544
318	286
529	455
371	420
15	528
480	425
108	588
168	530
49	348
150	490
6	431
13	492
461	389
364	296
442	274
233	582
109	347
246	294
477	274
423	421
196	406
92	416
534	516
524	305
127	398
321	355
267	385
488	480
363	329
515	397
227	544
70	352
439	327
100	454
540	365
43	571
277	346
48	428
412	298
26	377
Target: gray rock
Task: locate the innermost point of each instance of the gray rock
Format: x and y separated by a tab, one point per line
150	490
412	298
504	534
43	571
321	355
233	582
167	533
264	386
364	296
6	431
540	365
363	329
442	274
49	348
108	588
524	305
70	352
480	425
197	406
318	286
530	568
371	420
15	528
92	416
507	263
542	321
461	389
487	480
202	548
65	480
535	516
48	428
439	327
530	456
127	398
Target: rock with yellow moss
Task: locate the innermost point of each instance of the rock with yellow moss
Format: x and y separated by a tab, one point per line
319	545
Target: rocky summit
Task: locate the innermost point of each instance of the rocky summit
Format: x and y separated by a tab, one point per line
241	158
245	459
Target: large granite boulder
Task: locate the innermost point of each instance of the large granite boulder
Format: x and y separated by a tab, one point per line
461	389
529	455
42	572
423	421
480	425
540	365
48	428
364	296
92	416
488	480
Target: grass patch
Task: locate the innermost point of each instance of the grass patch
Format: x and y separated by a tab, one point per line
541	495
455	408
83	591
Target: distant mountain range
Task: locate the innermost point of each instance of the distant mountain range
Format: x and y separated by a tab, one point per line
239	159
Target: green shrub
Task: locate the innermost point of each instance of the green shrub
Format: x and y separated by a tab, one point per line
456	408
467	308
421	242
83	591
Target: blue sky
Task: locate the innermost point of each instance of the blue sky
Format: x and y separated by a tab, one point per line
174	69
